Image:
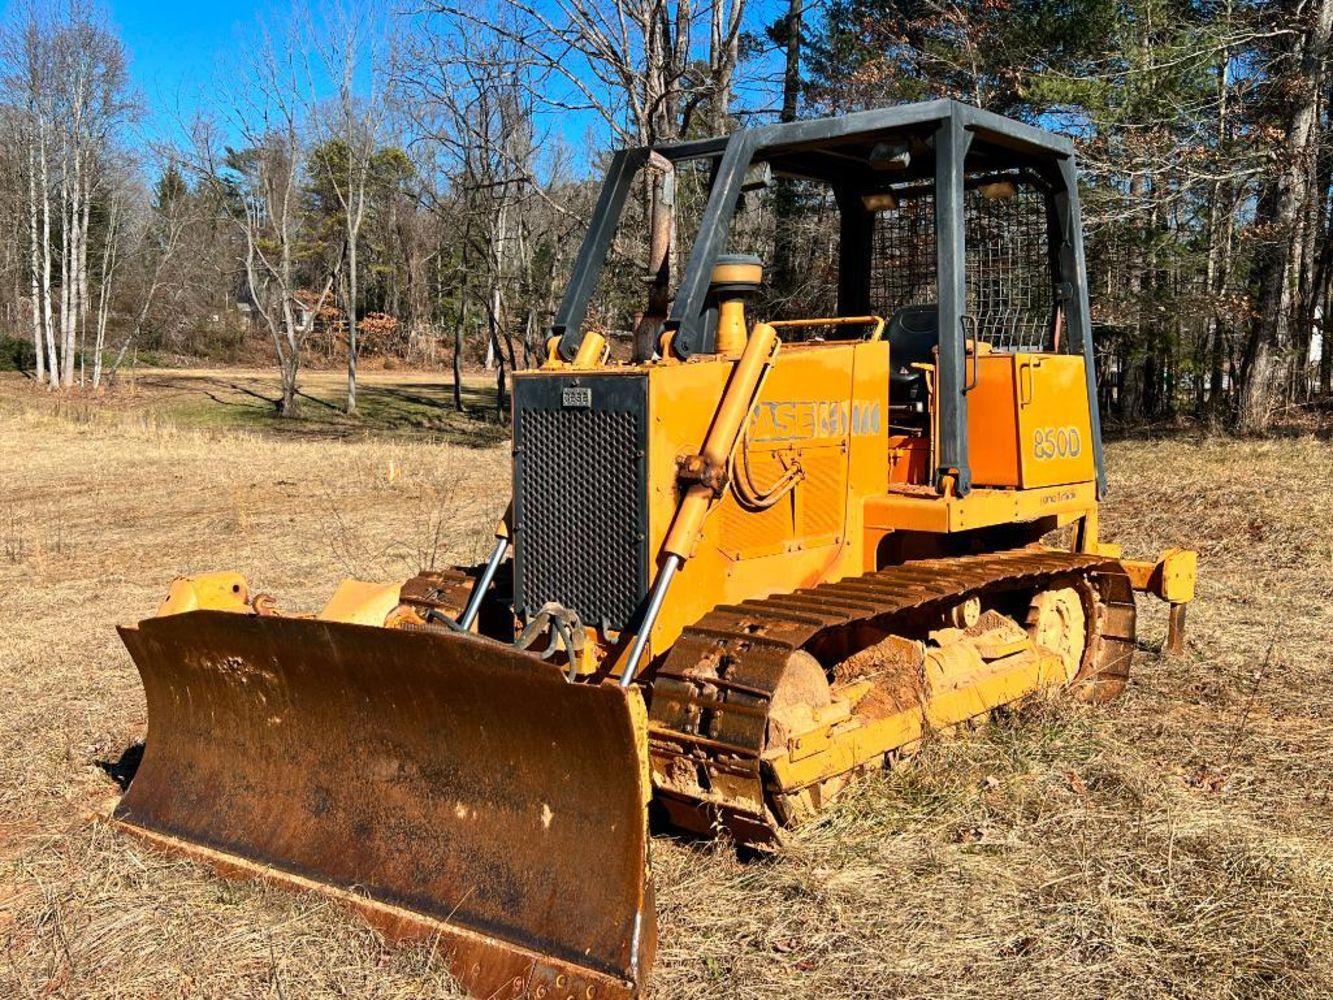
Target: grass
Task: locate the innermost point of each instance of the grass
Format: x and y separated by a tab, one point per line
1172	844
389	403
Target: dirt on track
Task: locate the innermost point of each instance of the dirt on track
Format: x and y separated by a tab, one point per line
1171	844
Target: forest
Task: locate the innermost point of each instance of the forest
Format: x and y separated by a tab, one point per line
409	186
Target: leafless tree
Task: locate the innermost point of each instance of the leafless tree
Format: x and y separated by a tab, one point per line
65	78
93	100
31	86
258	188
165	243
354	48
471	95
638	64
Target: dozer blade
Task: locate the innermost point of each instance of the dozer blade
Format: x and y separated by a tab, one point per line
449	788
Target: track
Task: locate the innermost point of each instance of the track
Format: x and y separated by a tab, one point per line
710	698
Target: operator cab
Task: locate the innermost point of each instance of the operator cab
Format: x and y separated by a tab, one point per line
950	232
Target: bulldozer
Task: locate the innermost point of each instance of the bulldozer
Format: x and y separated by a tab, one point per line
779	544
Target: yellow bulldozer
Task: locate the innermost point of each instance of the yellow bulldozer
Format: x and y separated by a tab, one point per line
777	545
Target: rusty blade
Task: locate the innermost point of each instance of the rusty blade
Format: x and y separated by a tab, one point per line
447	787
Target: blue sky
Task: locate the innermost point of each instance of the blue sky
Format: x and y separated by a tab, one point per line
175	47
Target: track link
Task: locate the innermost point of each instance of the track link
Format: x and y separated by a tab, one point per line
710	697
446	592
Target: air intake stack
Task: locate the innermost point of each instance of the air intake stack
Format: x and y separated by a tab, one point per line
736	278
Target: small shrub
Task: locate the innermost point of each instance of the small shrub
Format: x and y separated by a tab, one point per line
17	355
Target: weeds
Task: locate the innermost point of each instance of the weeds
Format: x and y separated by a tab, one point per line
15	546
1061	851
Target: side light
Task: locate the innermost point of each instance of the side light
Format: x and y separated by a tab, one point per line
998	190
879	201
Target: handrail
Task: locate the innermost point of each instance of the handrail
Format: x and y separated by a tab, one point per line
779	324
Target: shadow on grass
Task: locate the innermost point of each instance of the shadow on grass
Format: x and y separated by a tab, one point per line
122	771
385	407
315	399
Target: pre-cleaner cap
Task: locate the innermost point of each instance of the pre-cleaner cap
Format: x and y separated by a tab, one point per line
737	274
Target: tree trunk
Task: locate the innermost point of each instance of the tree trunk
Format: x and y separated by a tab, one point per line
661	181
460	327
784	192
48	323
1135	363
1217	401
458	349
352	344
104	289
81	277
497	351
288	406
1263	388
1221	220
290	361
34	265
66	312
1325	342
724	52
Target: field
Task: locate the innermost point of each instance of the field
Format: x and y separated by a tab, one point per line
1174	843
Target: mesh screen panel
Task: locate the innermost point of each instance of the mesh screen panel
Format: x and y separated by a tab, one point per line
1009	283
580	499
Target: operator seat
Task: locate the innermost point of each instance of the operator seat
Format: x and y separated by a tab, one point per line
913	335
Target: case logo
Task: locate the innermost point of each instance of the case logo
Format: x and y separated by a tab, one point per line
810	419
576	397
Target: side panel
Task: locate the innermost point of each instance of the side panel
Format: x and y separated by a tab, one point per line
824	408
868	466
992	423
1028	422
1054	424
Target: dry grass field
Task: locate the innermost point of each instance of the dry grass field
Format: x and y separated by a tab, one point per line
1173	844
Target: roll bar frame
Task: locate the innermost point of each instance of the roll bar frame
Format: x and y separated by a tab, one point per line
951	133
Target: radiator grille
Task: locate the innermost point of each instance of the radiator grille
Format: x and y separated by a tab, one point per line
581	498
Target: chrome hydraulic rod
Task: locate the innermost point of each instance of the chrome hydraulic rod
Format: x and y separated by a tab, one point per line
733	410
655	600
483	584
